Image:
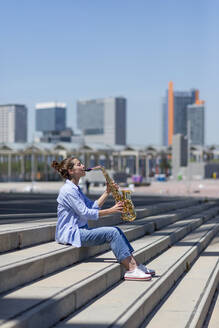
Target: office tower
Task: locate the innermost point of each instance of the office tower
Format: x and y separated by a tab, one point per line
175	112
179	154
13	123
50	117
195	115
103	120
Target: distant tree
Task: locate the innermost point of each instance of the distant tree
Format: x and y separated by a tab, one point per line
164	164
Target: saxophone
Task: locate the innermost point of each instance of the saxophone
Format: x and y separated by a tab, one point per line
128	213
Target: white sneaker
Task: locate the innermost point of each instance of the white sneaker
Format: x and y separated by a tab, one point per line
143	268
137	274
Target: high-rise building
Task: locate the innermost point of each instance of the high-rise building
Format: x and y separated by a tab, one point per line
175	110
195	115
103	120
50	117
13	123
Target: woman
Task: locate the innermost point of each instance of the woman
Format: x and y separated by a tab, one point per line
74	211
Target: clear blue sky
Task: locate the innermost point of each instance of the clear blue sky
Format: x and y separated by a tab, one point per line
65	50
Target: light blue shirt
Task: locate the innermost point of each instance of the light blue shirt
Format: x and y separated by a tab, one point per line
74	211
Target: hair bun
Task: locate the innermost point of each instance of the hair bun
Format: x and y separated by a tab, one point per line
63	167
55	165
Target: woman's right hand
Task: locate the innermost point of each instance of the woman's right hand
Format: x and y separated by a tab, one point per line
118	207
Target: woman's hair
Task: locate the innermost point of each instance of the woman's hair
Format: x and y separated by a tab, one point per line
63	167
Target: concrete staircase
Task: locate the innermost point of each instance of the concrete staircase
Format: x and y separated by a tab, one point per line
44	284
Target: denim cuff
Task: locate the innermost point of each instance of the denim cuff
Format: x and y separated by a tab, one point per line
124	256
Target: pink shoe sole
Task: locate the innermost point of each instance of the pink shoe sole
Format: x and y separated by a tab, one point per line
133	278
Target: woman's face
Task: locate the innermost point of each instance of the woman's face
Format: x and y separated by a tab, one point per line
78	169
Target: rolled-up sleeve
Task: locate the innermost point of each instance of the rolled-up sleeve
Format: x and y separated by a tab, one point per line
95	205
80	208
90	203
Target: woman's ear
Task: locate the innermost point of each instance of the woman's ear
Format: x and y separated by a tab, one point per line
70	172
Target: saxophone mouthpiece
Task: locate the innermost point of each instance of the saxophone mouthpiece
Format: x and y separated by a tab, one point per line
88	169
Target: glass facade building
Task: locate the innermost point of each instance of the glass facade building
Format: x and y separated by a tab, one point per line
90	117
195	115
50	117
181	100
13	123
103	120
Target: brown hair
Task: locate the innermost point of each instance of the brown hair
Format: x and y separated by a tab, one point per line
63	167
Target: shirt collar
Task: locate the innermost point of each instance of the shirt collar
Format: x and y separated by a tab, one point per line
74	186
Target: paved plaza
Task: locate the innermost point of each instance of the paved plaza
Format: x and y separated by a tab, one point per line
199	188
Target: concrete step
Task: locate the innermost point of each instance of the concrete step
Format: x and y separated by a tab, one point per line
16	236
127	304
188	304
212	318
12	238
15	209
46	301
11	218
25	265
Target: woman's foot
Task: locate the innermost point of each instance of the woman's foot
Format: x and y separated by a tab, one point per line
146	270
137	274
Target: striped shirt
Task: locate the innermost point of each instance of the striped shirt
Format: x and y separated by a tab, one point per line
74	210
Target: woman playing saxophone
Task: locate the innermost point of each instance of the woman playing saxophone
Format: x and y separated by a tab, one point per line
75	209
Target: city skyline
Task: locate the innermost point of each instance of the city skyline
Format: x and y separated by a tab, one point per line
183	113
81	50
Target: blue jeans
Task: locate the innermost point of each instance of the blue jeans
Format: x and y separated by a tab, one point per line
113	235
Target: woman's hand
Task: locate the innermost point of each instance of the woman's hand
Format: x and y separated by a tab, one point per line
118	207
